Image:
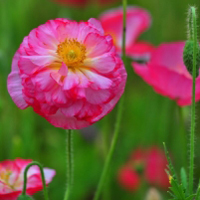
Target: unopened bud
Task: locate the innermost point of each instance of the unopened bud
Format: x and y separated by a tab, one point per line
188	56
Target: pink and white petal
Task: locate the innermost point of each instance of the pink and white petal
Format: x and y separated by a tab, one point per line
26	66
59	120
96	24
96	45
14	84
85	28
89	111
63	71
103	64
98	81
73	109
43	80
69	30
49	174
83	80
97	96
41	60
58	96
70	81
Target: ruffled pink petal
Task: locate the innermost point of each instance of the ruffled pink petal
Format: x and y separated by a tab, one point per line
43	80
97	81
14	84
96	45
73	109
68	30
70	81
41	60
103	64
49	174
96	24
138	20
60	120
97	96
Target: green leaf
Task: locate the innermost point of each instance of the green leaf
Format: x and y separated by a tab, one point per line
170	166
184	178
177	189
191	197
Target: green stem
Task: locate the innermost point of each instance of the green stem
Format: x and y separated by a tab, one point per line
69	164
111	150
119	115
191	170
42	175
182	135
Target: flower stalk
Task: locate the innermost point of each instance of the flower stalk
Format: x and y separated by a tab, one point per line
119	116
69	164
42	175
192	136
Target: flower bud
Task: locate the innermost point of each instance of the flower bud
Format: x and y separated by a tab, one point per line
188	56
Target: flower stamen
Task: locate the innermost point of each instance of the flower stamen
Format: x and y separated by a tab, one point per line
72	52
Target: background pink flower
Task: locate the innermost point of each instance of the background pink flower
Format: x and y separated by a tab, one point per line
167	74
129	178
12	178
138	21
144	164
68	72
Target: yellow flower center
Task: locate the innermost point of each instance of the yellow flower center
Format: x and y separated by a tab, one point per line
71	52
4	177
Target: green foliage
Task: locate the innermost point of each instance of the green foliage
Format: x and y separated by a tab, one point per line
24	197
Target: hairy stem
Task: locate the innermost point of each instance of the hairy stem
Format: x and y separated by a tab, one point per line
69	164
42	175
191	170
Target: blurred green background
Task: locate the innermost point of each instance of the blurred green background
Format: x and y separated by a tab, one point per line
148	119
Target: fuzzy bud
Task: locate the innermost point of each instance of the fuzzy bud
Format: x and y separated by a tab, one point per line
188	56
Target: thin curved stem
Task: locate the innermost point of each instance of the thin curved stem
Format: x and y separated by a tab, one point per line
42	175
119	116
69	164
191	170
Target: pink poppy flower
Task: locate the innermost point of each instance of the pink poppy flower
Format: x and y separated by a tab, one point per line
156	163
69	72
12	178
82	3
129	178
167	74
144	164
138	21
